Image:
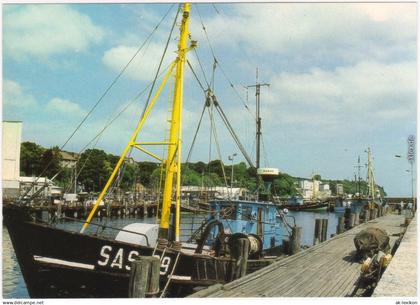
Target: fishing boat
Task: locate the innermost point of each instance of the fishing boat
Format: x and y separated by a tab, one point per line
95	261
360	202
307	206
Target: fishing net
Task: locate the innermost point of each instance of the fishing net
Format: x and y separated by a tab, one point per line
370	241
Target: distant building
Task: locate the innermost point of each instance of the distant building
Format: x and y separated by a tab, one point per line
221	192
12	135
44	186
68	159
13	184
324	190
310	189
339	189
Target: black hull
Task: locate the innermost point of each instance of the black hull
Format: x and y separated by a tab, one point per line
59	264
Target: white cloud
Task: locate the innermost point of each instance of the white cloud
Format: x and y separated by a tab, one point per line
143	66
316	33
14	96
367	95
65	107
43	30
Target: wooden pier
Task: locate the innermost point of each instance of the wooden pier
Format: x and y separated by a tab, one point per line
328	269
80	211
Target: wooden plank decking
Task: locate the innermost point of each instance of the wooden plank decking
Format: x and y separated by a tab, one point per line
325	270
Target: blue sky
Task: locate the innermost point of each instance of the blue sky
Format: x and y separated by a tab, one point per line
342	78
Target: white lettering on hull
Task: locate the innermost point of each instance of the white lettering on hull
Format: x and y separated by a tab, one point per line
118	259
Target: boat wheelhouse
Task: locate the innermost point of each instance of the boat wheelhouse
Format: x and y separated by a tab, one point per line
251	217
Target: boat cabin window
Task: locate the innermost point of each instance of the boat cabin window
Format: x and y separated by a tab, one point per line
246	213
228	212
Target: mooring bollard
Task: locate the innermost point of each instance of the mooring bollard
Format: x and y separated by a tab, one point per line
144	277
340	225
295	240
317	231
324	230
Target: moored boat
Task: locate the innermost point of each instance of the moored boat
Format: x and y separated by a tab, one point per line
96	261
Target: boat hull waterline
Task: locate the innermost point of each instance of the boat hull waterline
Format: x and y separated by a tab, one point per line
56	263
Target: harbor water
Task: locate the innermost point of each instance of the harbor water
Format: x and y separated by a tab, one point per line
14	285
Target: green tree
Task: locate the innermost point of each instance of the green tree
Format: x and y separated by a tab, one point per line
128	176
317	177
190	177
212	179
155	179
215	166
30	157
50	162
284	185
145	171
94	169
199	167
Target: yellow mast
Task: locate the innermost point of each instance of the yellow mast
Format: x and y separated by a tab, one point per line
173	164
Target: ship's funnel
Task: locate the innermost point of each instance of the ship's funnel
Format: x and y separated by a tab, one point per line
267	175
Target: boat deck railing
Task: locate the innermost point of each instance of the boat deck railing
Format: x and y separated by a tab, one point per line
101	226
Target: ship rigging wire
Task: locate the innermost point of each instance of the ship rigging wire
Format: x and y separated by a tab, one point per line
101	98
121	174
217	61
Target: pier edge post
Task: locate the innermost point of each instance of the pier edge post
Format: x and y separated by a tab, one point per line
324	230
351	220
240	252
295	240
340	225
317	231
144	277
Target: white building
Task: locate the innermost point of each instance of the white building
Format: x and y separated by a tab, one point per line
314	189
340	189
12	184
46	188
12	135
68	159
214	192
324	190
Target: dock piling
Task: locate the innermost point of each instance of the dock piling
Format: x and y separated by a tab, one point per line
317	231
240	251
324	230
365	216
144	277
347	213
295	240
340	226
351	220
